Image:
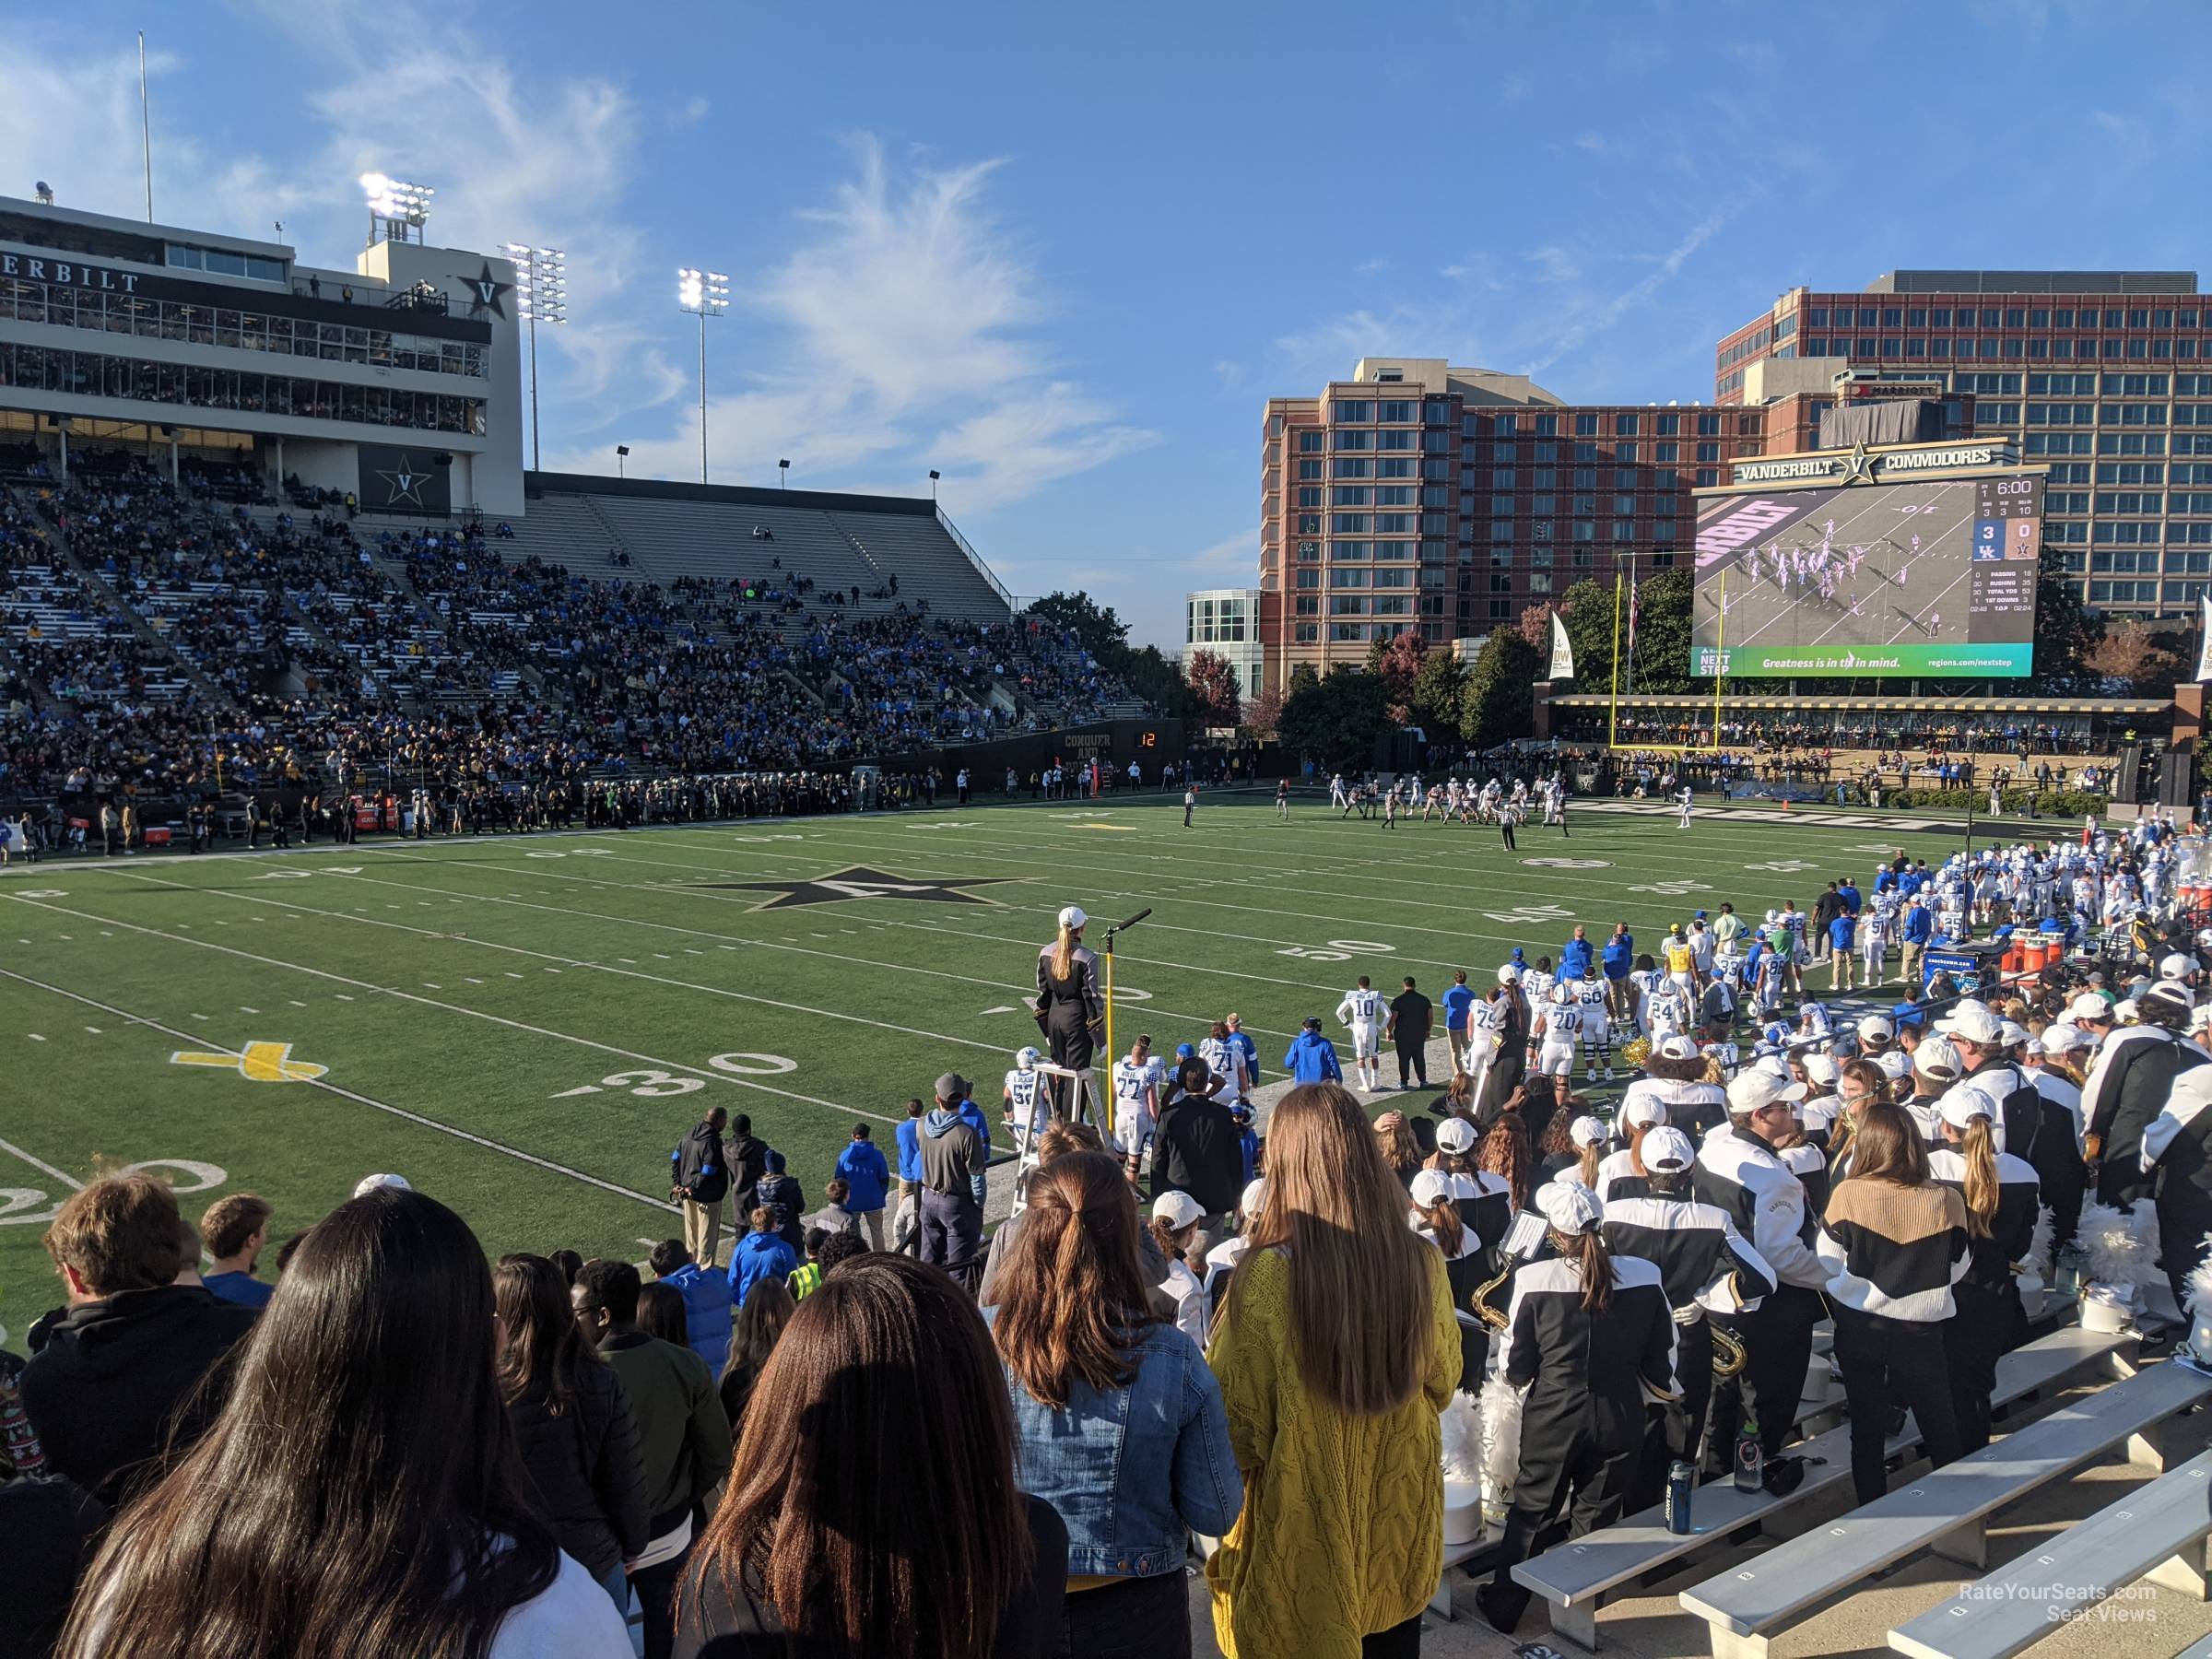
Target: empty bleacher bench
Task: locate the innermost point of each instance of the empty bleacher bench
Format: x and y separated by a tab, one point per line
1576	1577
2156	1534
1945	1510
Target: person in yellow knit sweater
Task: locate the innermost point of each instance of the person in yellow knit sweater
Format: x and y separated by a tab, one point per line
1335	1350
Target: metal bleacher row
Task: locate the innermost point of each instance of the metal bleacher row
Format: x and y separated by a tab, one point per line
2073	1398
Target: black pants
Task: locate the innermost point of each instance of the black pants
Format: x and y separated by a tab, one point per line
1888	1362
2185	1217
1400	1642
1677	1429
1986	1324
1132	1619
1413	1059
1506	831
655	1588
1562	1462
1778	1338
952	1235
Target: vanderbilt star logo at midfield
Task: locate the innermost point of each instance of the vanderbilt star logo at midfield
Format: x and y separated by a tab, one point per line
1858	466
858	882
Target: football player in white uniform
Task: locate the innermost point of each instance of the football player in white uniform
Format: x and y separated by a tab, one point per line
1225	1061
1028	1105
1597	1025
1361	1013
1136	1104
1667	1010
1556	1027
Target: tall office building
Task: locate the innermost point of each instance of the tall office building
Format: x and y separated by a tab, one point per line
2106	376
1416	493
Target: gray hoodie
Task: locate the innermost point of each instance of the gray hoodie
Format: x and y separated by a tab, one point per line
953	1155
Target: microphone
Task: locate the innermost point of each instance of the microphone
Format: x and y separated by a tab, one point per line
1124	926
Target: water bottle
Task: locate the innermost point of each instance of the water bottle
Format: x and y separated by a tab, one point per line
1681	1482
1751	1457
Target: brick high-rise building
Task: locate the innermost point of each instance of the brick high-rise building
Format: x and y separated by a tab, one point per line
1416	493
2104	375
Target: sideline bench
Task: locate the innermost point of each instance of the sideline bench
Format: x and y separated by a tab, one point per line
2156	1534
1576	1577
1945	1510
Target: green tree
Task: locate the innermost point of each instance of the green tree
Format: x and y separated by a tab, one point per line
1662	634
1588	608
1497	702
1101	631
1153	678
1336	719
2067	630
1213	686
1434	700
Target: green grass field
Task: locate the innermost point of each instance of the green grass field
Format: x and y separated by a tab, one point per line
524	1026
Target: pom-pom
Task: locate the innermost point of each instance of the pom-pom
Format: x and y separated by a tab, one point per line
1500	1443
1462	1426
2121	1244
2198	1295
2038	1259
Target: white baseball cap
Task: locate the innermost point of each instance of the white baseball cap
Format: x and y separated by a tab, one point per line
1571	1207
2089	1006
1678	1047
2170	994
1877	1028
1937	1061
1508	974
1668	1152
1894	1063
2011	1033
1455	1136
1254	1199
1972	1020
369	1183
1821	1068
1073	916
2177	966
1587	1132
1177	1209
1962	1106
1431	1188
1757	1087
1645	1114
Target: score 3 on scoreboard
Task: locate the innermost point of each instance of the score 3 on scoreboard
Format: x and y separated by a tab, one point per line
2008	534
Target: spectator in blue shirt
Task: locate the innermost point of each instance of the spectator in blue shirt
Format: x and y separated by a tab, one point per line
1245	1045
1850	897
909	1149
1312	1057
761	1257
234	1230
1575	956
861	1168
1840	932
1458	1000
706	1293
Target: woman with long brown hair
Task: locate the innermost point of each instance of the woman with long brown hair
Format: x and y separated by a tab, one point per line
1336	1350
1507	1154
1118	1423
2003	1198
1894	1241
753	1336
360	1493
572	1422
872	1511
1400	1150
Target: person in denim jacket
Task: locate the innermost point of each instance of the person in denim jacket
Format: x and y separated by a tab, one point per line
1118	1423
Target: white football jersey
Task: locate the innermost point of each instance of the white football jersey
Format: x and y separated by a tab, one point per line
1221	1058
1026	1102
1561	1024
1535	985
1360	1007
1130	1083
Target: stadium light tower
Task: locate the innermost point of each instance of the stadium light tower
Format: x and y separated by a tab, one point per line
705	294
398	205
541	283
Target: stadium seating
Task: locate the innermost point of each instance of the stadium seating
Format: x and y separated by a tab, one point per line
2157	1534
1945	1510
1577	1577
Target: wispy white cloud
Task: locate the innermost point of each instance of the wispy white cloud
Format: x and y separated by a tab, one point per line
1638	294
903	331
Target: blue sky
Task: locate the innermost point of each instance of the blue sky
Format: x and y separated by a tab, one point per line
1062	254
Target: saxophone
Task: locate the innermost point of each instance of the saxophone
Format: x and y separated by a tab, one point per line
1478	1299
1729	1356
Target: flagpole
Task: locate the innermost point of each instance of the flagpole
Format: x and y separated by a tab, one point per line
1613	713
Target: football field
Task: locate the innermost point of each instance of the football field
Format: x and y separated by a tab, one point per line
524	1026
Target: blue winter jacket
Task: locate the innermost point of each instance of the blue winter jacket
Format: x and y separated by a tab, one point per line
1574	960
910	1150
1312	1059
861	1166
1132	1469
706	1292
758	1256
